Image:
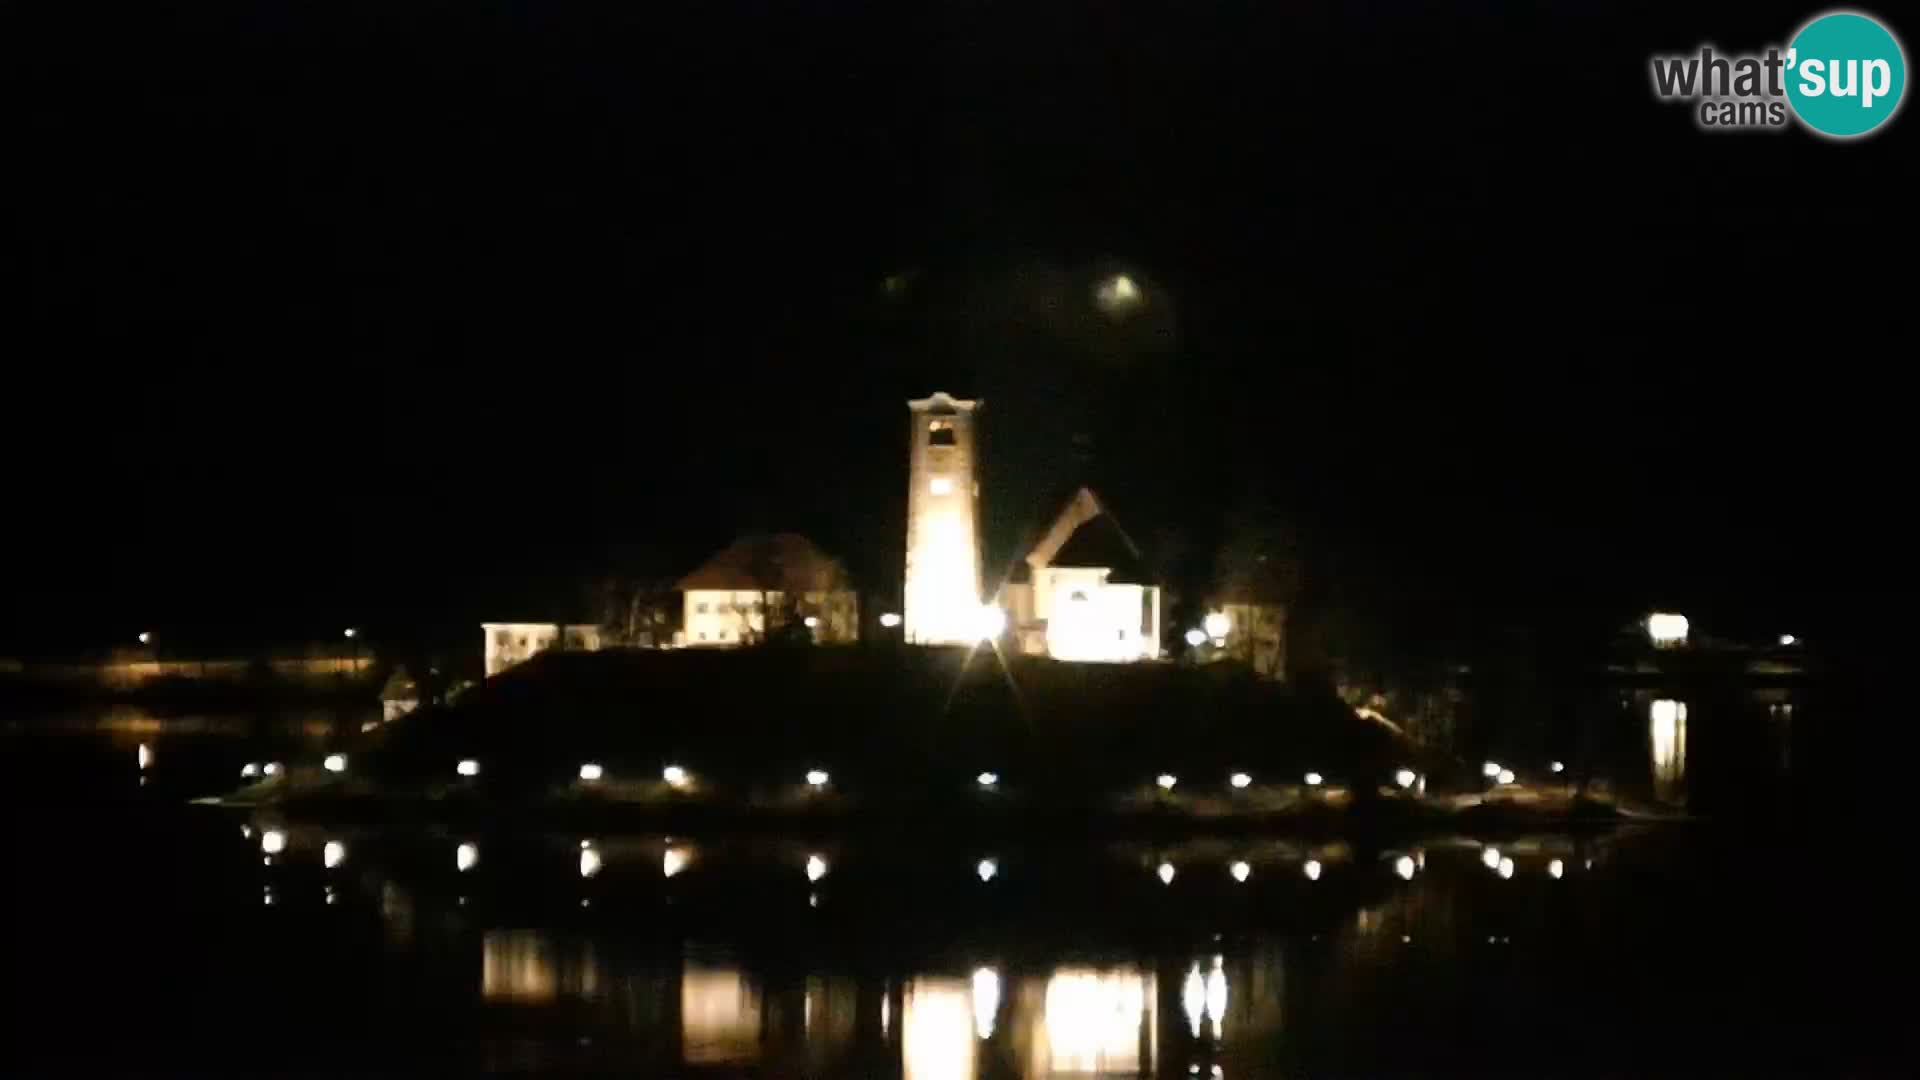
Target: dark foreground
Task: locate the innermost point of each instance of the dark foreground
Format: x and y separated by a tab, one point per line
175	940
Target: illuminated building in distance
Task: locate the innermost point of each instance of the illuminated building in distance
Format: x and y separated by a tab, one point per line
942	588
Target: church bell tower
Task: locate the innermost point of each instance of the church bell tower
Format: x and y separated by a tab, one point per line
942	591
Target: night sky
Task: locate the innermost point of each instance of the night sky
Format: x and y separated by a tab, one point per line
406	314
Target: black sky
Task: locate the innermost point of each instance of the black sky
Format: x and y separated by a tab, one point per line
408	313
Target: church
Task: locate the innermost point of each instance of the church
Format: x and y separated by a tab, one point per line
1081	593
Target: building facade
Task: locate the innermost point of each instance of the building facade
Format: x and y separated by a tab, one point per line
507	644
942	586
761	585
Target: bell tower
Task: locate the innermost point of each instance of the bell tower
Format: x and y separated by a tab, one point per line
942	593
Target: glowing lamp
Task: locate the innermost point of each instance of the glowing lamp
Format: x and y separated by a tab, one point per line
1788	640
817	778
1240	780
1665	628
1506	868
333	854
1557	766
335	763
890	620
272	768
811	622
989	622
1405	778
351	633
144	755
1312	869
673	861
591	771
1490	770
1556	869
987	779
816	868
1506	776
467	767
1240	870
251	768
987	869
1217	624
466	857
1404	867
1165	873
1196	637
674	775
1314	779
273	842
1166	780
589	862
1490	858
146	637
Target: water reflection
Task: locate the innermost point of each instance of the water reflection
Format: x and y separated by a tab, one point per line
719	1017
1667	724
936	1029
1094	1022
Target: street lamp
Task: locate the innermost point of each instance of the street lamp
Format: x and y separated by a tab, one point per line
146	637
1217	624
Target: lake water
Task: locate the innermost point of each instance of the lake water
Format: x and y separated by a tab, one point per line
148	936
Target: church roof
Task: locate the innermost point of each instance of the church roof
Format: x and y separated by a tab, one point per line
1086	534
785	561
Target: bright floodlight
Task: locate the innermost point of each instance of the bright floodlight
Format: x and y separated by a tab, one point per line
1405	777
251	768
589	862
466	857
1314	779
144	755
987	779
1240	870
591	771
987	869
272	769
817	778
988	622
335	763
1166	780
467	767
1555	869
890	620
146	637
1490	858
1404	867
674	775
1165	873
1196	637
1557	766
1312	869
1217	624
333	854
1665	628
1490	770
1239	779
816	868
1506	776
273	842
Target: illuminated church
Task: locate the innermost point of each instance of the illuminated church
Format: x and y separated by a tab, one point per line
1082	593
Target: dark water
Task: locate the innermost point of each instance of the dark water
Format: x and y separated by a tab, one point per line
147	936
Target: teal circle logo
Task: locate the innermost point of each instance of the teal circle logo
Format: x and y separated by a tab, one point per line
1845	74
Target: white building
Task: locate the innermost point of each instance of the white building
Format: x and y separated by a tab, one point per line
942	587
508	644
1087	595
762	582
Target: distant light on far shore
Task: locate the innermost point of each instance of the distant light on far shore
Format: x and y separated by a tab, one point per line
467	767
1166	780
817	778
1240	780
591	771
987	779
1557	766
675	776
1314	779
1788	640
